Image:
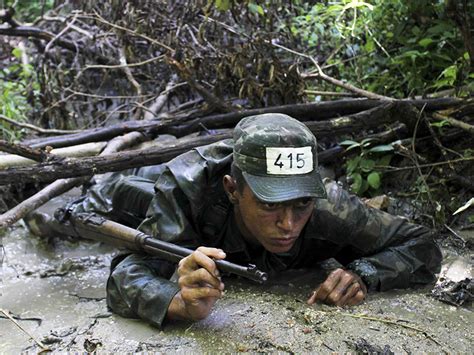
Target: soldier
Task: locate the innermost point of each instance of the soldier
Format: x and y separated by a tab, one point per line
259	199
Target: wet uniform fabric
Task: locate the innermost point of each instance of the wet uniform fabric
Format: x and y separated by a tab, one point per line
183	202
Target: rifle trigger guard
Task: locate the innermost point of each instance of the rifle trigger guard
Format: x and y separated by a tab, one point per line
92	218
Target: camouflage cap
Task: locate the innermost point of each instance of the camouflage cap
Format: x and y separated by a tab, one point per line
277	157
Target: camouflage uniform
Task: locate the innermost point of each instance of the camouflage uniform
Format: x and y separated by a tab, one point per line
183	201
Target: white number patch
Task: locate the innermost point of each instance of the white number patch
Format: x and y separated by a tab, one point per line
289	161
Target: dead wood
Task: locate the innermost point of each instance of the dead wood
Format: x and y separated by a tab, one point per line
97	165
63	185
36	128
76	151
304	112
386	113
24	151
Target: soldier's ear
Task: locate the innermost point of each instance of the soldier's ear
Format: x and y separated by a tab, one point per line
230	188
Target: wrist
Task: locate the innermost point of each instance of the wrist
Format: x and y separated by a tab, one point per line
177	309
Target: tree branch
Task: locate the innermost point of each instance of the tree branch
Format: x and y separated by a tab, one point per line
36	128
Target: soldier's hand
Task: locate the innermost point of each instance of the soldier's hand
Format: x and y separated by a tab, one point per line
341	288
200	285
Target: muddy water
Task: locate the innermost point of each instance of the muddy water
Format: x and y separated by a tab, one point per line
57	291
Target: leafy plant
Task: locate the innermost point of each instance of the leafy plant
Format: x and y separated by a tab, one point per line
17	83
363	169
397	48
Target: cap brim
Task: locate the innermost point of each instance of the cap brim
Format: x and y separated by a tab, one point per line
283	188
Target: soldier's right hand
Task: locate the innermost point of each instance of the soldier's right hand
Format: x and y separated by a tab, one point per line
200	285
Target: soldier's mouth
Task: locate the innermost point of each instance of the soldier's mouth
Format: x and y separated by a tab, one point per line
283	241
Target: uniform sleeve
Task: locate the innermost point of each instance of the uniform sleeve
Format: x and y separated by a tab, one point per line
390	251
139	287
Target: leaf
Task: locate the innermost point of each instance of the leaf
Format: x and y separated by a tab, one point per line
374	179
381	148
352	164
425	42
256	9
223	5
17	52
465	207
370	45
348	142
351	144
367	165
366	142
357	184
440	124
385	160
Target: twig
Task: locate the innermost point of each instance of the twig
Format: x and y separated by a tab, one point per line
392	322
128	73
414	156
437	142
396	322
63	31
105	96
455	123
40	344
36	128
101	19
161	100
456	235
330	93
120	66
395	169
332	80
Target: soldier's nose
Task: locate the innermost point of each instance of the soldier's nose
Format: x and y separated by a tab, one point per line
286	219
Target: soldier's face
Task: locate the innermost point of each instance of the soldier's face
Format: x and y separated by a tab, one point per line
276	226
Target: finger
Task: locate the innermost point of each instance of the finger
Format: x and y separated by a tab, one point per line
192	295
313	298
328	285
353	289
198	259
212	252
199	277
344	283
357	299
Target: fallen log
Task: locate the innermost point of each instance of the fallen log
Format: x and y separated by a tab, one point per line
62	185
23	151
305	112
82	150
388	113
96	165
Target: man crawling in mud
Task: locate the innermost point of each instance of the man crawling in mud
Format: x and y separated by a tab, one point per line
257	198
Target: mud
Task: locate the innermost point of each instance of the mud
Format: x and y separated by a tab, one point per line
56	293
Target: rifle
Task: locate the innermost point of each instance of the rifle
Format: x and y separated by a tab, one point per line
95	227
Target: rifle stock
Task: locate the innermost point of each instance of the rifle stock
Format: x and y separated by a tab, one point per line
95	227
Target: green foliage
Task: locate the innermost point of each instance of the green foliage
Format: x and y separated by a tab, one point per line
17	83
363	169
393	47
29	10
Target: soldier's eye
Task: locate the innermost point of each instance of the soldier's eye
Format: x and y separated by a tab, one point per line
303	203
270	206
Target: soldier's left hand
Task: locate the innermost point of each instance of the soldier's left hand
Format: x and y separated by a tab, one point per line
341	288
